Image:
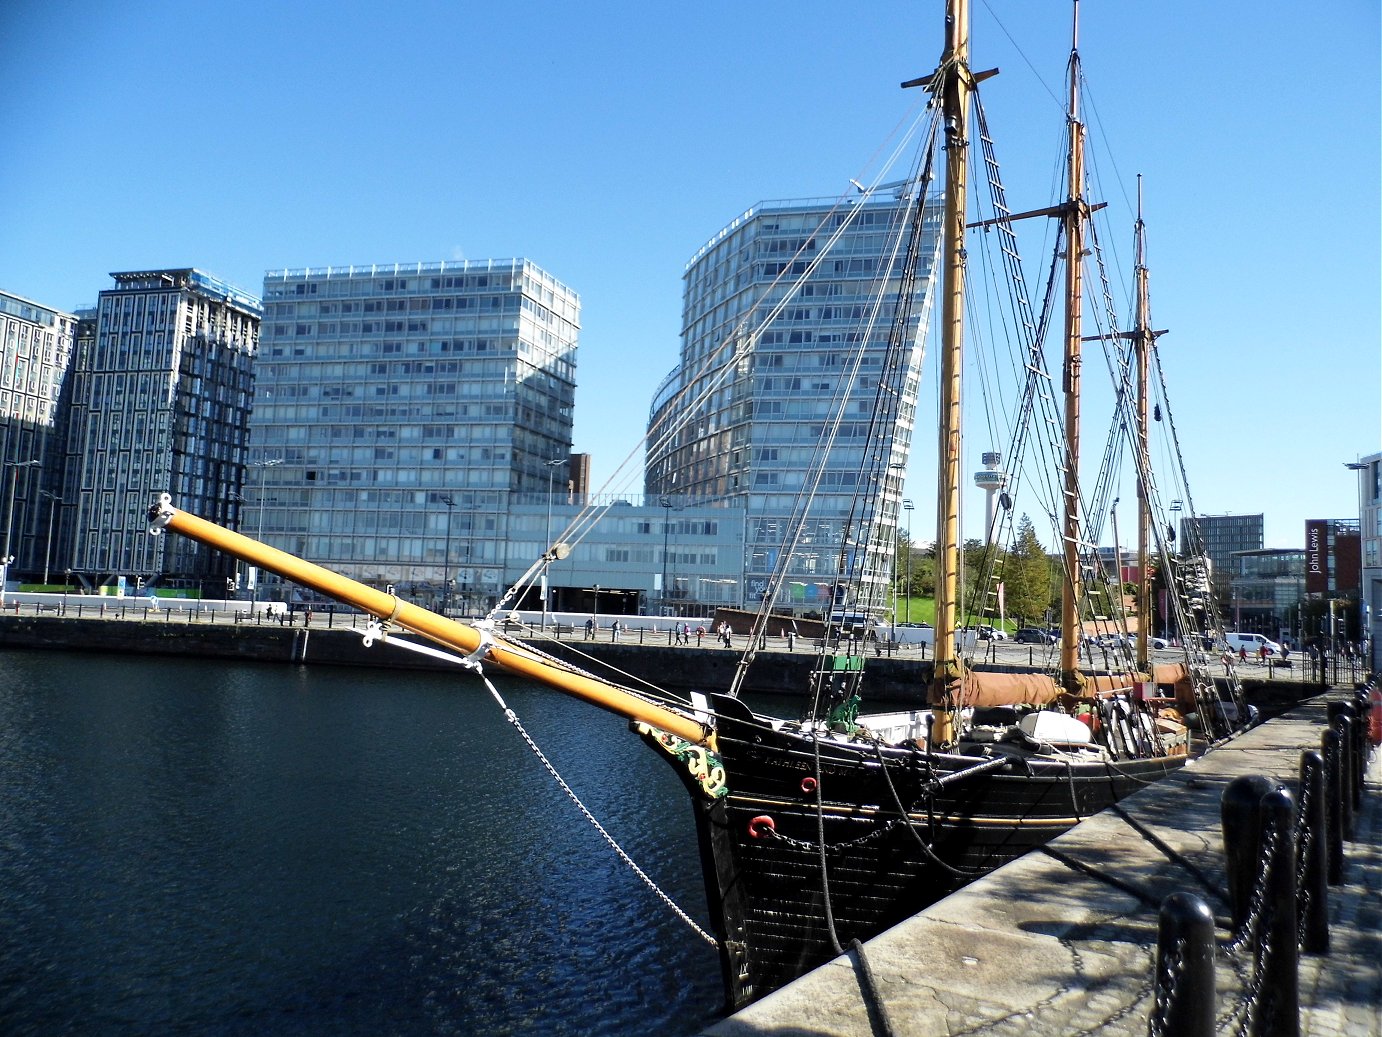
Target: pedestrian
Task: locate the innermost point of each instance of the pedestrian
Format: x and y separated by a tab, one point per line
700	633
590	630
686	634
307	617
1242	655
1262	652
1227	660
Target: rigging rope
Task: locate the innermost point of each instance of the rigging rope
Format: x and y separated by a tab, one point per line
512	718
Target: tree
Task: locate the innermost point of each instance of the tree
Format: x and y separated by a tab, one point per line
1026	575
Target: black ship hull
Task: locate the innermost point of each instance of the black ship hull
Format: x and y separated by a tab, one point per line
790	794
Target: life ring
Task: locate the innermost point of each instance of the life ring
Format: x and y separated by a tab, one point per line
809	784
762	826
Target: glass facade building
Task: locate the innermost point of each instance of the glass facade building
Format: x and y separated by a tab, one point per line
162	385
774	385
1266	589
401	410
1219	537
36	344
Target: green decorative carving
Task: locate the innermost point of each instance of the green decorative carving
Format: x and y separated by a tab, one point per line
702	764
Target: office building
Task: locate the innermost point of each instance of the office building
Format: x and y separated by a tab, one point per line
1369	473
1218	538
773	386
1266	588
401	411
36	345
161	392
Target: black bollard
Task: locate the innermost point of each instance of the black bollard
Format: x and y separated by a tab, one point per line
1347	771
1313	897
1360	738
1240	812
1184	968
1334	824
1352	749
1278	954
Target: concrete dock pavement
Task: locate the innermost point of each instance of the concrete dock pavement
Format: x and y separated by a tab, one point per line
1063	941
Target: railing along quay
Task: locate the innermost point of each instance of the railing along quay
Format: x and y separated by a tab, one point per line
1241	896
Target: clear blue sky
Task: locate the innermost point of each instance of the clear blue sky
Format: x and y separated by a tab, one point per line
607	141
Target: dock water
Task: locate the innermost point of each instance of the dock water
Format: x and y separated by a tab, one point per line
1064	940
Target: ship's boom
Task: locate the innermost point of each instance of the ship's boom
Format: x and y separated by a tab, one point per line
509	656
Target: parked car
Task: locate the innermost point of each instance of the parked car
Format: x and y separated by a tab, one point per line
1033	636
1158	642
988	632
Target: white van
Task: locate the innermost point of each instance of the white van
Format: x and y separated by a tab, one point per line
1252	642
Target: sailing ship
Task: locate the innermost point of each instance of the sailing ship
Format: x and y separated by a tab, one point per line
827	829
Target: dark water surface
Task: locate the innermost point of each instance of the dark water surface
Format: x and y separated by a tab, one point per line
205	847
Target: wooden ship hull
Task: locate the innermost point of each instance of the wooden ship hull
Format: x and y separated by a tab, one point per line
965	815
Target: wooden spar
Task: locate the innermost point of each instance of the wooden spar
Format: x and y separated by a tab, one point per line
1076	212
1142	348
954	83
508	656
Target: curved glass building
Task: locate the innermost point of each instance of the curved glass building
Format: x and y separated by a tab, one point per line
783	345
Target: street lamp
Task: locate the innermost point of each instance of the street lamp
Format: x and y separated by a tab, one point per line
666	503
53	501
7	557
253	573
450	503
907	507
547	540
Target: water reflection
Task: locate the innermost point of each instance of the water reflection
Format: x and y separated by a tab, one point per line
218	848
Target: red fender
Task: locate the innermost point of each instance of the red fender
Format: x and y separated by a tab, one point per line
762	826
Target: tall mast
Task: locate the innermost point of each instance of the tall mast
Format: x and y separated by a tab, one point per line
1143	338
955	84
1075	215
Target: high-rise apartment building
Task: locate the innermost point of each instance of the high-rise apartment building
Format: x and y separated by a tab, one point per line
35	349
161	393
770	384
398	411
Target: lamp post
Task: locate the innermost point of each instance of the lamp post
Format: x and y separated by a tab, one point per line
907	507
666	503
551	467
450	503
7	557
53	501
252	573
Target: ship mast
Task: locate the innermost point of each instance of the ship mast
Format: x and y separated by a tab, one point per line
955	84
1143	339
1074	217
